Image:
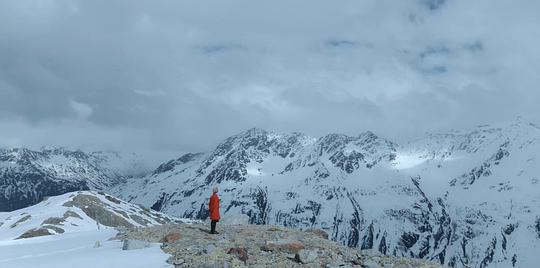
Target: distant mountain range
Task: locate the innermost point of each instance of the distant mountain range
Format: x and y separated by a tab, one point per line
464	199
27	176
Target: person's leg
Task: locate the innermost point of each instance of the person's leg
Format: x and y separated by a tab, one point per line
213	227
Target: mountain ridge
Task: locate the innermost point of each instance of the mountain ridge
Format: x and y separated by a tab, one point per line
27	176
462	198
366	191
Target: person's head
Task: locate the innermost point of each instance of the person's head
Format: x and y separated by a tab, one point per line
215	189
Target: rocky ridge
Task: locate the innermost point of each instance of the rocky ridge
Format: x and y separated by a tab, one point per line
191	245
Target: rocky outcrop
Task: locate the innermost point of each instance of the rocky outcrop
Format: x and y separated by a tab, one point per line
260	246
98	210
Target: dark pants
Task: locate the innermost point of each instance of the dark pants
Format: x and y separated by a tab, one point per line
213	226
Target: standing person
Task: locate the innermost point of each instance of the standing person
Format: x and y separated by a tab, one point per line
214	210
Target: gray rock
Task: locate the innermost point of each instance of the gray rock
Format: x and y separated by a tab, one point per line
21	220
306	256
35	233
370	264
338	265
178	262
217	264
283	245
319	232
135	244
210	248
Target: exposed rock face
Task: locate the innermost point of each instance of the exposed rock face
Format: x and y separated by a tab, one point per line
98	211
246	245
537	227
21	220
35	233
111	213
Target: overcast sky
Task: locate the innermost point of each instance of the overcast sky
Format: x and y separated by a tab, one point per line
177	76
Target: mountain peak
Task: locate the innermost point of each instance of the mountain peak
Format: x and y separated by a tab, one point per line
254	131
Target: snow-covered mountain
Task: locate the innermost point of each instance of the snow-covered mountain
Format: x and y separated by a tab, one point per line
27	176
464	199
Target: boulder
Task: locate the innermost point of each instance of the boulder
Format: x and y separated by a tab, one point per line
370	264
306	256
240	253
135	244
171	237
318	232
274	229
283	245
178	262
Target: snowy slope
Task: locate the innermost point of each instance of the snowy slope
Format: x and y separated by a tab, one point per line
76	212
77	250
27	176
465	199
62	231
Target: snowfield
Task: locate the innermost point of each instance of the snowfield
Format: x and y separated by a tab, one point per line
62	231
77	249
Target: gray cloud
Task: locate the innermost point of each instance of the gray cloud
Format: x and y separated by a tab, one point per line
177	76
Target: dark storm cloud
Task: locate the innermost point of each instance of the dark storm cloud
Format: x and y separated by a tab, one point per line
182	75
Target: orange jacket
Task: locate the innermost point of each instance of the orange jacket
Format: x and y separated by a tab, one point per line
214	207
